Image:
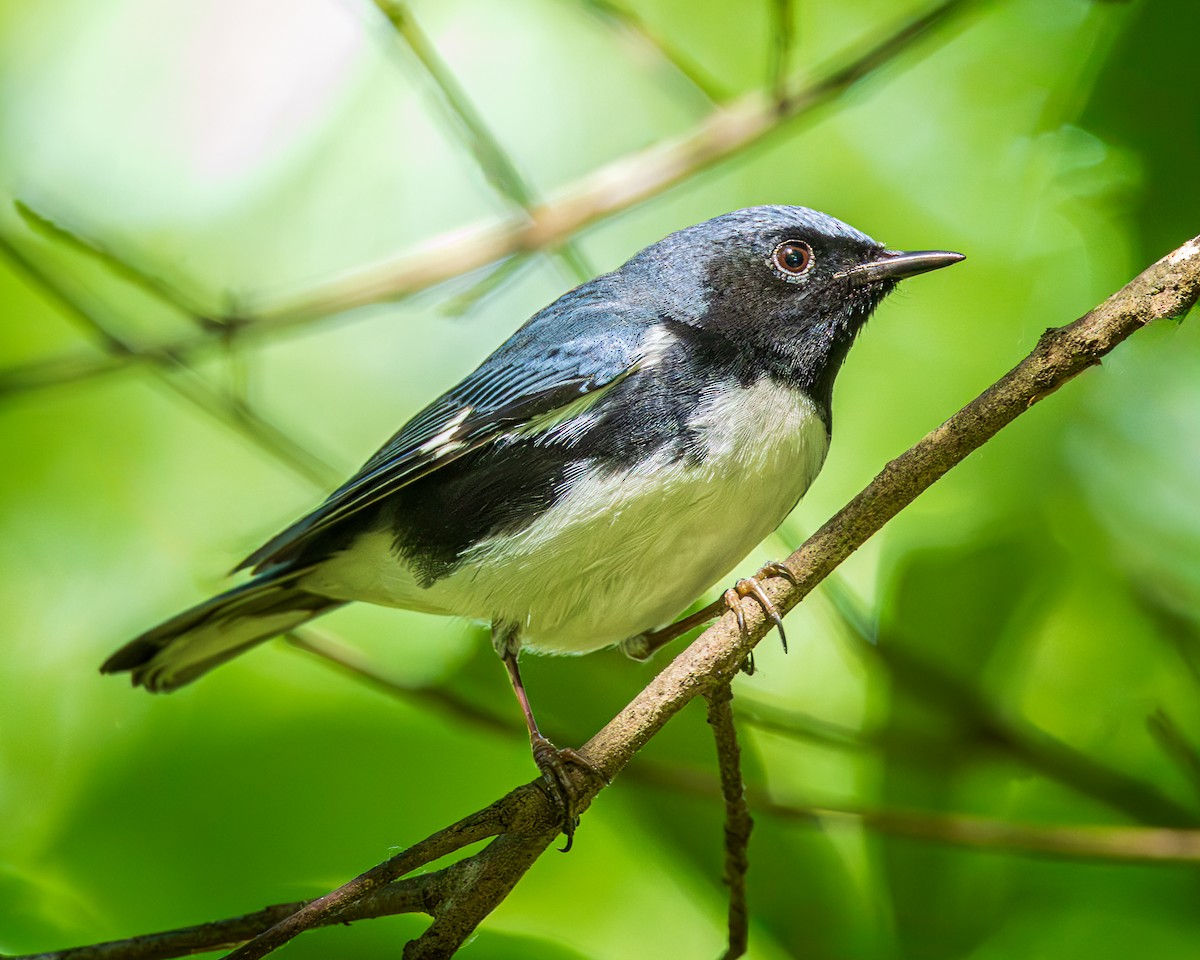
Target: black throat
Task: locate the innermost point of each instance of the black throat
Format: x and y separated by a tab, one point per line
797	337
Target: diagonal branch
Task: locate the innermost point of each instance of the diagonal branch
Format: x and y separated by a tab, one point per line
523	824
618	186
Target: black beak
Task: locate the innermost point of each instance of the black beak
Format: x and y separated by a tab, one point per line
896	265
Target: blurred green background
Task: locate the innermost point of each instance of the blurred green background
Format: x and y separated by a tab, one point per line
1023	643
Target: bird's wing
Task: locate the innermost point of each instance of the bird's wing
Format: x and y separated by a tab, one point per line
531	377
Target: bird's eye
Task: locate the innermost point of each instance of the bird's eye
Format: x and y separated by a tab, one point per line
793	257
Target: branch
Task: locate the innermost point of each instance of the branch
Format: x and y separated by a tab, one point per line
782	30
525	822
1120	844
631	22
320	643
1175	745
173	373
609	190
467	123
738	822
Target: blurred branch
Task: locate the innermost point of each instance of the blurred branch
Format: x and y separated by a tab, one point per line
1028	744
979	724
980	730
631	22
802	726
782	31
738	822
1170	615
1175	745
1141	844
1121	844
348	661
178	377
461	303
525	822
466	121
121	266
618	186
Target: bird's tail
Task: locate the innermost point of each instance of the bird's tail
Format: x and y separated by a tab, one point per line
193	642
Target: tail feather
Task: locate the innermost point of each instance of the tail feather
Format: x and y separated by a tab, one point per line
193	642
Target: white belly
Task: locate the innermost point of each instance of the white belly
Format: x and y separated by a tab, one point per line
619	554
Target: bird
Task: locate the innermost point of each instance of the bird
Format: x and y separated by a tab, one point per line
613	459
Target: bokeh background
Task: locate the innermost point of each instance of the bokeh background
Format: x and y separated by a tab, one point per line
1021	645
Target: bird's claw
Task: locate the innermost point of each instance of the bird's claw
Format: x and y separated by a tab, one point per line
552	762
752	587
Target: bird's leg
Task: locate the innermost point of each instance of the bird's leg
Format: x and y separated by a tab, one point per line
550	760
751	587
645	645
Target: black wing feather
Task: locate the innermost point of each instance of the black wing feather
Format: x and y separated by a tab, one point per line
528	377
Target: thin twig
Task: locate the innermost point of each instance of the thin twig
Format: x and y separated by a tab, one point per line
122	266
782	34
632	180
982	726
632	23
396	898
738	822
1101	842
462	303
1163	845
331	650
182	379
1176	745
491	157
508	814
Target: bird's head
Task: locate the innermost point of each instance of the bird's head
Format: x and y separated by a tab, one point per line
791	284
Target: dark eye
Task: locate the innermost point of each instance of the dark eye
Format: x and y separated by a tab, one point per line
793	257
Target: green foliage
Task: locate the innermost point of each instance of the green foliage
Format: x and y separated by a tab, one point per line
1047	589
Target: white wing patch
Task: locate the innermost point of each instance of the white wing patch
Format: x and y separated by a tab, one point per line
447	440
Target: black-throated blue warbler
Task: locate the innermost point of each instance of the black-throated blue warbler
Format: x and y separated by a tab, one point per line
614	458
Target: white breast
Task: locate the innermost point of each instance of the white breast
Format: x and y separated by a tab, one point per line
621	553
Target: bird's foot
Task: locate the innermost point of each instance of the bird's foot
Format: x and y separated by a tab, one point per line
553	763
752	587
